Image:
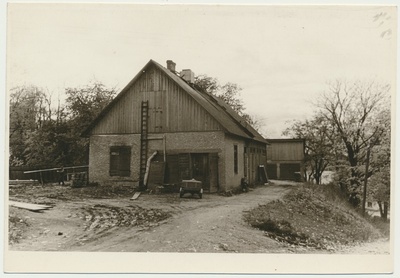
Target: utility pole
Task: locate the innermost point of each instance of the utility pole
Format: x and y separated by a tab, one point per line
366	180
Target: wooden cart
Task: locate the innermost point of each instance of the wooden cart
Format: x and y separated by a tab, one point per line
191	186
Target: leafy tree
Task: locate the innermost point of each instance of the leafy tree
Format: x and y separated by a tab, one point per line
230	93
29	112
207	84
83	105
44	136
320	144
350	126
256	121
45	147
379	174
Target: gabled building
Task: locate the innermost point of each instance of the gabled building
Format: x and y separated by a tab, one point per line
186	132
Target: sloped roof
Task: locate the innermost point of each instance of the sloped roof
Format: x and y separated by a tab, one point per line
217	108
286	140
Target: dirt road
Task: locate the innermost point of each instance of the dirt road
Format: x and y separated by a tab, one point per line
152	223
211	224
215	225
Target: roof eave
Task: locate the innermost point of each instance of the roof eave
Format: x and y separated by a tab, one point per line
86	132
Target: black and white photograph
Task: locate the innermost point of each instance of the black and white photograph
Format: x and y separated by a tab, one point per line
200	138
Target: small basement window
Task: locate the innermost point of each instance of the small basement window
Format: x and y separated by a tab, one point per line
120	161
235	159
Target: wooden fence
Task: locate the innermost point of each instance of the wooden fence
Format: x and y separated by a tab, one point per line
45	175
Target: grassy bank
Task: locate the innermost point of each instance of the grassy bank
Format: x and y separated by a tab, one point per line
315	217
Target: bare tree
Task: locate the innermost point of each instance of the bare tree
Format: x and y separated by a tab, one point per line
257	121
353	110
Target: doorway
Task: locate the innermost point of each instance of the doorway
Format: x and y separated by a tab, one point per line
204	167
200	166
200	169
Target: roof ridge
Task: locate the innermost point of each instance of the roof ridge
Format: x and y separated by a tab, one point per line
222	104
215	106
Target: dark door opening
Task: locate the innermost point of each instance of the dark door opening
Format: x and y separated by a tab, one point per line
200	166
200	169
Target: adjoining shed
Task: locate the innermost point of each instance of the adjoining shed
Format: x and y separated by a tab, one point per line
285	159
186	132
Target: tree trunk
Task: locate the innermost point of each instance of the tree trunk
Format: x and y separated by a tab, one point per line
310	177
317	178
366	181
353	161
380	208
343	187
385	210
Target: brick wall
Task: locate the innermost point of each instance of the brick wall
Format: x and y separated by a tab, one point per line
189	141
194	142
202	142
99	157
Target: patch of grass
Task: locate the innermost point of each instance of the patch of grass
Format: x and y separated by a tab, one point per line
313	216
16	226
42	193
382	225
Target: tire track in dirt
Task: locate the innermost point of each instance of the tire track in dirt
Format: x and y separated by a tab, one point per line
101	220
210	226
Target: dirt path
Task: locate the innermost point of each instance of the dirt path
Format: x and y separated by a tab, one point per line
381	247
211	224
216	227
152	223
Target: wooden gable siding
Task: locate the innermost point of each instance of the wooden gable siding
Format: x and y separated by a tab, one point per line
171	109
285	151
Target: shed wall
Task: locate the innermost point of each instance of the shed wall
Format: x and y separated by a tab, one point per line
285	160
286	151
256	153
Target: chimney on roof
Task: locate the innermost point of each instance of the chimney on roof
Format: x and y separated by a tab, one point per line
171	65
188	75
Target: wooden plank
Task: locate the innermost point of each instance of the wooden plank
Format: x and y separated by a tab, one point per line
172	169
135	196
156	174
184	166
262	174
55	169
213	171
28	206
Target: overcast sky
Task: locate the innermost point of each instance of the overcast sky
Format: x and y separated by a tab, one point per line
282	56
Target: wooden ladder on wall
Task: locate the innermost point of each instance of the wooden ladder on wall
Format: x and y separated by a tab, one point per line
143	142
